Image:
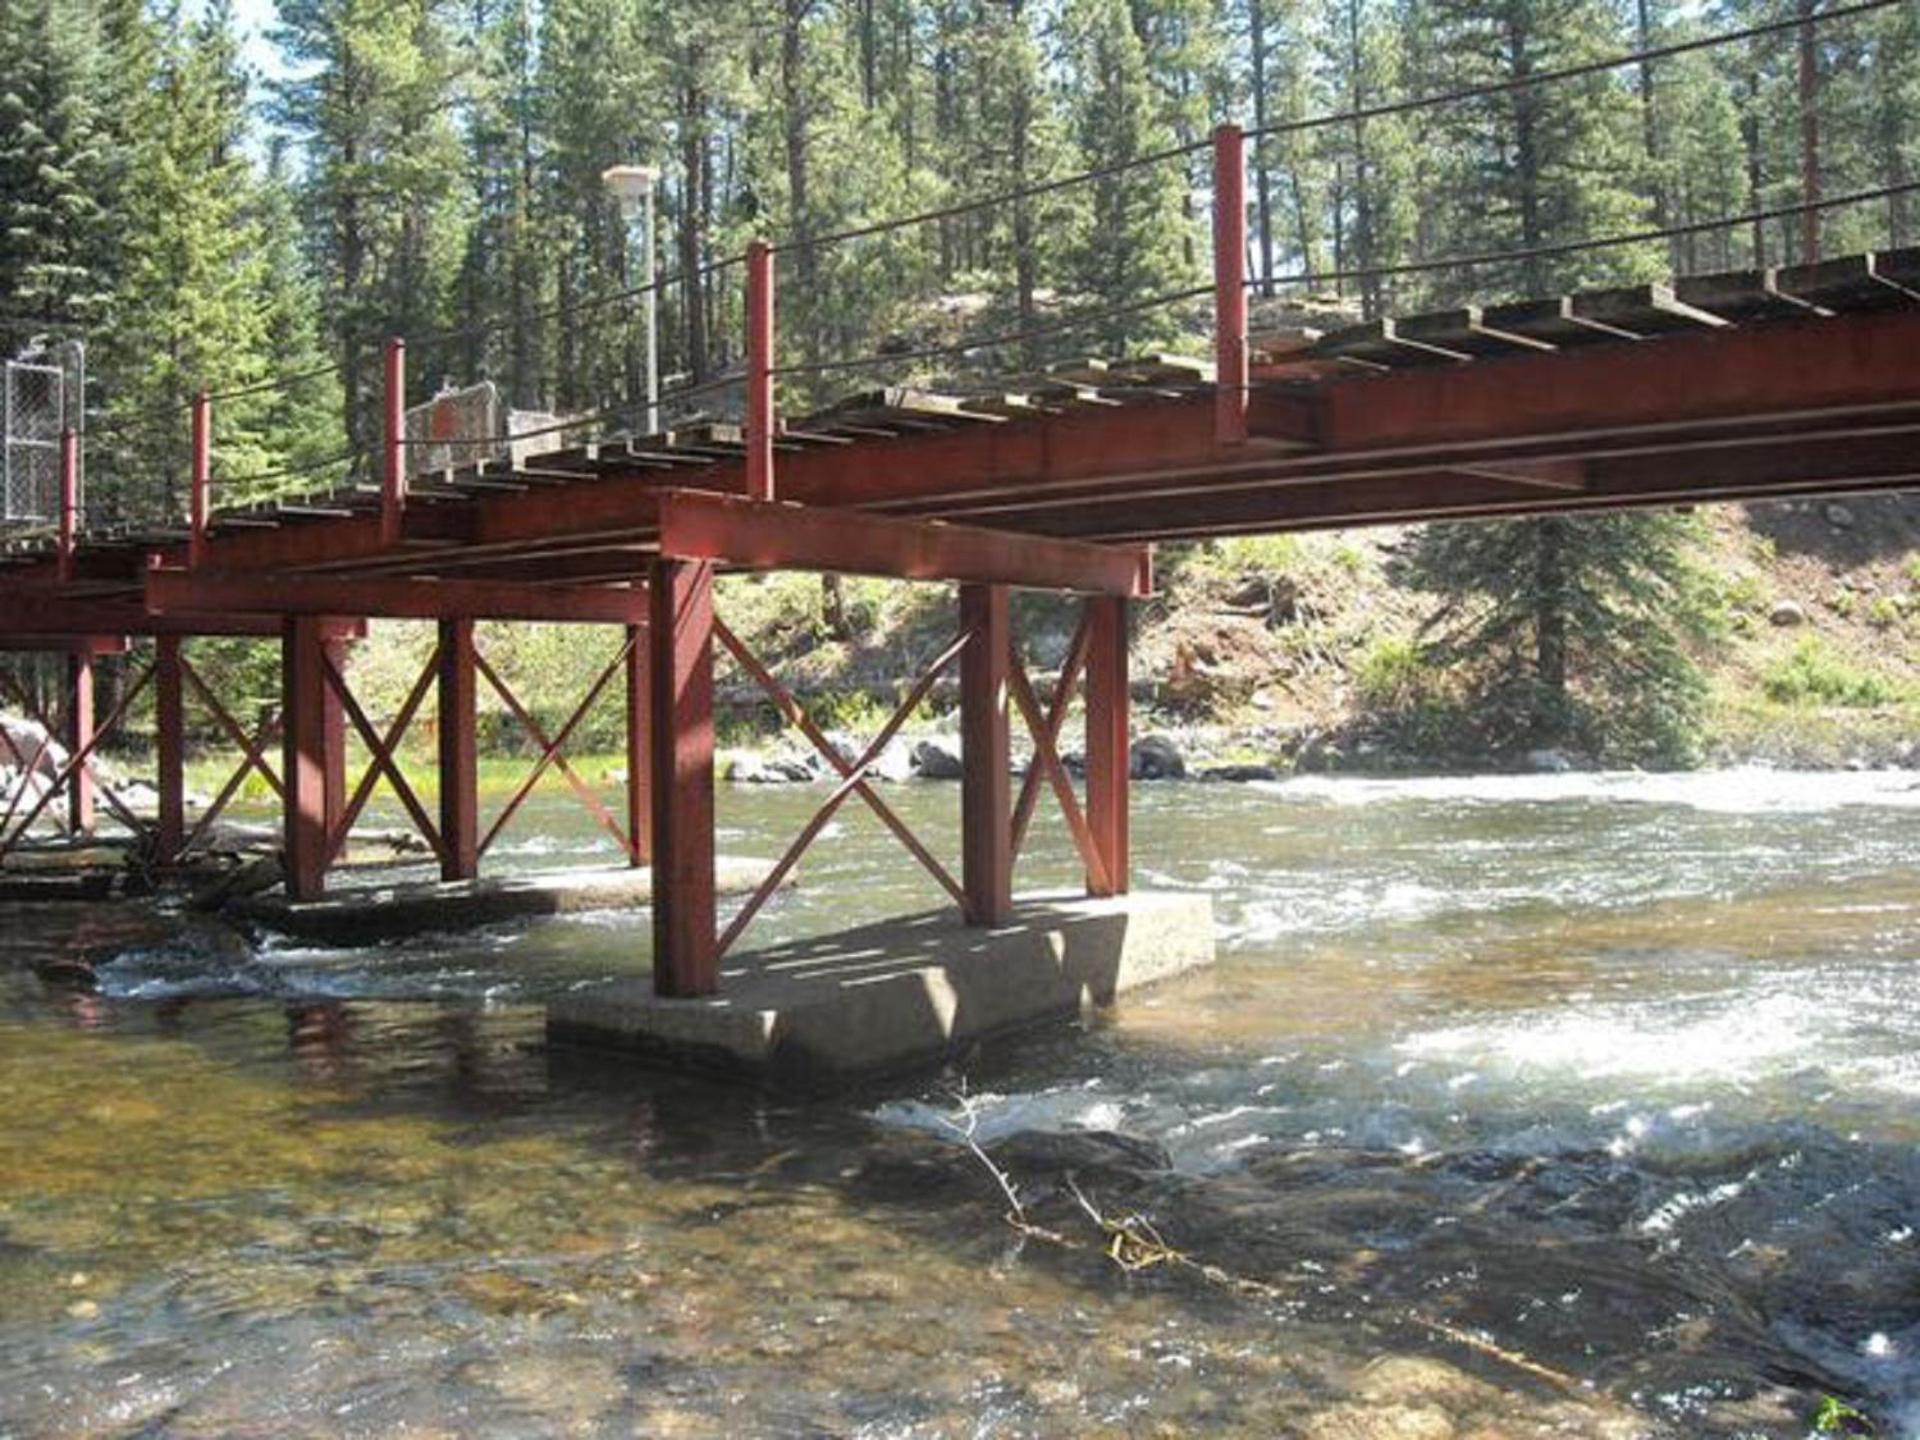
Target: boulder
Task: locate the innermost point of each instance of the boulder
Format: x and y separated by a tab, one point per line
936	760
750	768
1788	613
1549	762
1156	757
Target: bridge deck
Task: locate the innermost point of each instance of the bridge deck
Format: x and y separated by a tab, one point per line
1722	386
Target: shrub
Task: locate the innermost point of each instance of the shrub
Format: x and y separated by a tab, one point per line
1812	675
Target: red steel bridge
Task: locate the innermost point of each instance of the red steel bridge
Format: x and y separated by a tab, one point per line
1764	383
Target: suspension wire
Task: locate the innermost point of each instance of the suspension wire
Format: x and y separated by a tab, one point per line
1024	192
277	382
996	342
287	472
1569	72
579	307
1575	247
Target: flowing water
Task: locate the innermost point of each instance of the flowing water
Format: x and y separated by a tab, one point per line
1573	1105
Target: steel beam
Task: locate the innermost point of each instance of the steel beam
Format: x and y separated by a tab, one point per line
685	953
459	753
307	723
183	593
695	525
1108	749
1230	285
169	729
79	740
639	752
760	358
986	789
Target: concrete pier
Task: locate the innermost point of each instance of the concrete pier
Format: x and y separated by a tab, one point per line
900	994
362	914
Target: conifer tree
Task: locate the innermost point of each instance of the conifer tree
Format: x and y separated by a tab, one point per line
1573	630
1131	246
54	172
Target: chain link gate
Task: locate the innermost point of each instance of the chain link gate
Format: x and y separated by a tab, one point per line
39	398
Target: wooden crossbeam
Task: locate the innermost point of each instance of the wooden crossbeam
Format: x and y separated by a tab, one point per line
762	535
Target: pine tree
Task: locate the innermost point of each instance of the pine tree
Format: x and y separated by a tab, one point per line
54	169
370	100
1571	630
1546	163
1132	244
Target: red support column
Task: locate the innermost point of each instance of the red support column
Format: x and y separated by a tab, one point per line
69	503
201	480
759	371
79	738
393	480
986	786
459	754
639	752
169	724
305	764
333	730
1107	745
1231	374
680	636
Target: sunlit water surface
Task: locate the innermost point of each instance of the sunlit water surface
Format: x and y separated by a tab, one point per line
1609	1080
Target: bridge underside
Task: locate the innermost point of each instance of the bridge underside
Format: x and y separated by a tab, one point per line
1654	402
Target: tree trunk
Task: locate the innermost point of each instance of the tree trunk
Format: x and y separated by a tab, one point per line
1548	721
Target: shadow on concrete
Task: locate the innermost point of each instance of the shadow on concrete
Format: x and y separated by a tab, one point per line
897	995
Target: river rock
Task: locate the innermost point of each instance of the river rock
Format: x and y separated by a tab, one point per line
1380	1422
1549	762
1156	757
1239	773
935	760
1787	613
749	768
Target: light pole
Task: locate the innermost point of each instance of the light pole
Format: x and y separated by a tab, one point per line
632	189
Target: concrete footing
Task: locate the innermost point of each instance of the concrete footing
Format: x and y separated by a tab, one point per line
900	994
361	914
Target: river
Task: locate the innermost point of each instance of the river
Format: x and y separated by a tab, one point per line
1559	1105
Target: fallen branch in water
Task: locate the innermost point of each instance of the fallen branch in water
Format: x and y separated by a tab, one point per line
1134	1244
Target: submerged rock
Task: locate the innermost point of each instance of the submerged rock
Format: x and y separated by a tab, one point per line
1239	774
1156	757
934	760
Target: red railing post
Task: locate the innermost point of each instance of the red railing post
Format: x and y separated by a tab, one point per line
1230	284
202	480
69	502
759	371
393	483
